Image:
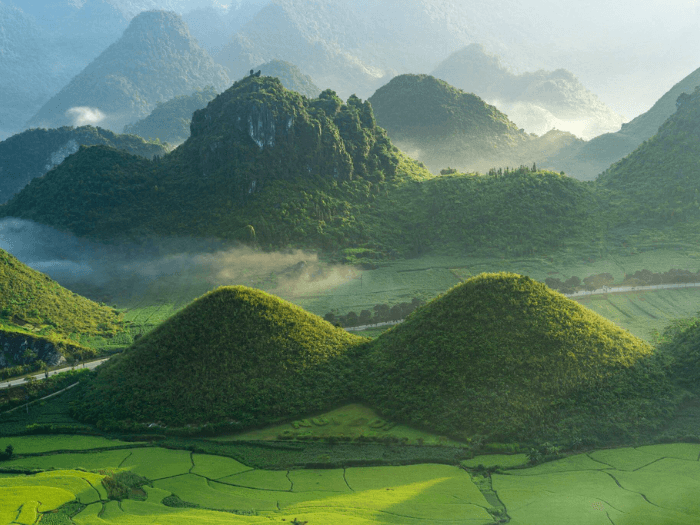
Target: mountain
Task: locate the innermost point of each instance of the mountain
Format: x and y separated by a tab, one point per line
34	308
504	357
235	354
44	45
588	160
657	186
443	126
291	77
262	164
170	121
155	60
32	153
537	102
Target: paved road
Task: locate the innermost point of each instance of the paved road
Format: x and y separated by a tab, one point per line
41	375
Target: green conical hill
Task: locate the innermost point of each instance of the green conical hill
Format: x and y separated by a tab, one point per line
235	354
657	186
504	356
33	304
681	341
442	125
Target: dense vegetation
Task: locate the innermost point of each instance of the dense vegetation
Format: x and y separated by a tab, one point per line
503	356
236	354
33	152
656	186
681	341
170	121
29	300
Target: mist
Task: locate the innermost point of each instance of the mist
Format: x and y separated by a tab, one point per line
188	267
85	116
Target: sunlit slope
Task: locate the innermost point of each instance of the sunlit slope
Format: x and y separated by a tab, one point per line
506	357
235	354
30	297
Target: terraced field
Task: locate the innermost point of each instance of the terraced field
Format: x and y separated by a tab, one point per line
654	485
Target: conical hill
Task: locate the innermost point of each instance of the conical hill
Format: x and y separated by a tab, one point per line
505	357
235	354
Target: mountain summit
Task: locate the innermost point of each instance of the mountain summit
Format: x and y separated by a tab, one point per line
155	60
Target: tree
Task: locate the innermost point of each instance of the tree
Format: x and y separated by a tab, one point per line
9	450
365	317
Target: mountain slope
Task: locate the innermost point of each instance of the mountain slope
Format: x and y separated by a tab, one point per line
657	186
538	101
291	77
32	153
31	303
234	354
503	356
588	160
155	60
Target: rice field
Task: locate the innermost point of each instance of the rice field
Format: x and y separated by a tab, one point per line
653	485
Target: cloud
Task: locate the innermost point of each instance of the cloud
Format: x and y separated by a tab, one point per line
84	116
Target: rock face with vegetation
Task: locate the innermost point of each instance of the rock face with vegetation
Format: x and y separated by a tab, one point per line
538	101
32	153
505	357
236	354
155	60
585	161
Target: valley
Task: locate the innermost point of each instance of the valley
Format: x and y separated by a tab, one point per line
344	262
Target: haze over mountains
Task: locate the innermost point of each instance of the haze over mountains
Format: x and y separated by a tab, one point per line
155	60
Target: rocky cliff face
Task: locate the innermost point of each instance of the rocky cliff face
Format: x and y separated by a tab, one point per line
155	60
20	349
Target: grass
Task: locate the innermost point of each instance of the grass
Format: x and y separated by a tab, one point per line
623	486
216	467
87	461
496	460
41	444
349	421
156	463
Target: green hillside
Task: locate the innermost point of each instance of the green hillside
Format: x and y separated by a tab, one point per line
441	125
170	121
503	356
658	185
236	354
37	310
681	341
586	161
32	153
510	212
263	165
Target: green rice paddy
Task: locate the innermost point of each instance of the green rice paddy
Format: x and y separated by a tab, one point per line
653	485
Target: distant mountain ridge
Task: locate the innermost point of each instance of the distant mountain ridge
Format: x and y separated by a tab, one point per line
538	101
586	161
154	60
